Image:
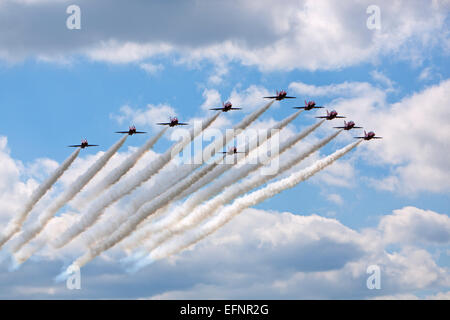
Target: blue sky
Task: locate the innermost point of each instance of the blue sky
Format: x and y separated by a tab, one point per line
385	203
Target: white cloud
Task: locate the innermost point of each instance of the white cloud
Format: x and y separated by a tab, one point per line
344	89
413	225
414	130
289	256
383	79
115	52
335	198
150	68
18	180
297	35
439	296
425	74
146	117
341	174
259	254
212	99
410	296
250	98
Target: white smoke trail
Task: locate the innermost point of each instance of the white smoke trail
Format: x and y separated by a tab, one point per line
137	218
249	147
160	200
127	185
210	150
181	174
192	218
32	231
121	170
150	207
129	225
17	222
186	208
218	144
111	179
242	203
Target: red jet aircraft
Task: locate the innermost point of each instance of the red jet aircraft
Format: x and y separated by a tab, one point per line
131	131
84	144
280	96
309	105
232	150
173	122
226	107
348	126
369	135
331	115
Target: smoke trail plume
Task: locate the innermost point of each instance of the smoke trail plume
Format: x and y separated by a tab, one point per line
109	180
180	212
218	144
17	222
133	221
249	147
183	175
127	185
160	199
210	150
244	202
122	169
150	207
192	218
32	231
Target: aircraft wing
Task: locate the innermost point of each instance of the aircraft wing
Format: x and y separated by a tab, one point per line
75	146
140	132
235	108
340	117
287	97
377	138
217	109
322	117
318	107
92	145
122	132
164	123
182	124
274	97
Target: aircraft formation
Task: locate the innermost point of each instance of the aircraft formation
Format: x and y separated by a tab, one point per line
227	106
211	194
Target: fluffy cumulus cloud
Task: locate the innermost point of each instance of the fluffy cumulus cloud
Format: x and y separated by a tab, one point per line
412	225
212	99
293	34
289	256
259	254
18	180
146	117
421	164
282	255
